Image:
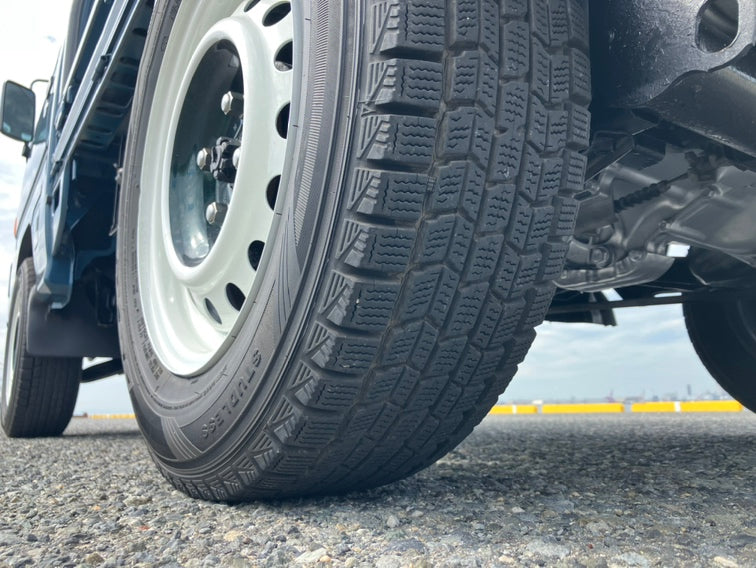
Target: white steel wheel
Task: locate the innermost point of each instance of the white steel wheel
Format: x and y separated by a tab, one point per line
213	162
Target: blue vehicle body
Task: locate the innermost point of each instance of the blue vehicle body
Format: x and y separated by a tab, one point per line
70	189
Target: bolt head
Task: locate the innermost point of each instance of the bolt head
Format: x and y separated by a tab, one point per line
232	104
204	159
215	213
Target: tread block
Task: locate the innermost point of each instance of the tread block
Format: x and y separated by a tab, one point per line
465	23
345	354
559	127
472	191
514	8
541	70
538	125
460	246
507	153
540	225
573	171
474	79
497	203
553	255
420	288
519	226
527	271
490	313
407	25
515	49
578	127
464	132
447	355
445	290
411	343
530	175
509	321
466	308
409	83
389	194
445	198
404	385
327	394
484	257
366	306
540	303
550	182
565	210
397	139
435	237
372	247
513	105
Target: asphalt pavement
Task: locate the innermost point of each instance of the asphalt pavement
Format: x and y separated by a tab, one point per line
614	490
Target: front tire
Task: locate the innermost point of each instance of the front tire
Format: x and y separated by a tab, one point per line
38	393
424	197
724	336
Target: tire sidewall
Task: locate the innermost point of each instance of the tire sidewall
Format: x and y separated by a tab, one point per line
186	419
19	298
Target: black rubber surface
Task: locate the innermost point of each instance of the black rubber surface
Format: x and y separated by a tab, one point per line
44	391
724	336
463	155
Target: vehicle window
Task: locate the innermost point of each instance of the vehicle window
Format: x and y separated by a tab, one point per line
43	126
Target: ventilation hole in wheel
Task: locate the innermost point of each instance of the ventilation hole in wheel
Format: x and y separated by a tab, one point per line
272	192
276	14
251	5
235	296
718	25
285	57
282	122
255	253
212	311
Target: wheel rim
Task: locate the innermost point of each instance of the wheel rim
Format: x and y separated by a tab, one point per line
207	214
10	358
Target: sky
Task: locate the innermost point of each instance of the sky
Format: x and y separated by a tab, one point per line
648	354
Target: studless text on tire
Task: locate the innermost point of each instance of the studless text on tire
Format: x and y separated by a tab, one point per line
724	336
427	195
38	393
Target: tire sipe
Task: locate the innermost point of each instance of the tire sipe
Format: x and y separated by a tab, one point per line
326	285
724	336
38	393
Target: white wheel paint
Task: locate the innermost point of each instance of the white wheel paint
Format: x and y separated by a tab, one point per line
183	332
10	356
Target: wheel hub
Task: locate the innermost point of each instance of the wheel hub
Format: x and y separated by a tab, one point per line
206	217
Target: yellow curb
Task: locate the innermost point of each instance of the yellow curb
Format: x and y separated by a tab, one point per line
601	408
113	417
647	407
711	406
514	409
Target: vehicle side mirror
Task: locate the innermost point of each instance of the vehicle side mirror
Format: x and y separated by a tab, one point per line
17	112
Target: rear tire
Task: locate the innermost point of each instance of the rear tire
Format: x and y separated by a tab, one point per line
38	393
423	210
724	336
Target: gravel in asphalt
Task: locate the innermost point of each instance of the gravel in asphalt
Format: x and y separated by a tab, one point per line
615	490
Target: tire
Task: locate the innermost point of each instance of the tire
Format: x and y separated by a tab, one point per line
724	336
423	210
39	393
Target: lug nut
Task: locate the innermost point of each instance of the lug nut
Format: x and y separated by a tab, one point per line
215	213
204	159
232	104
